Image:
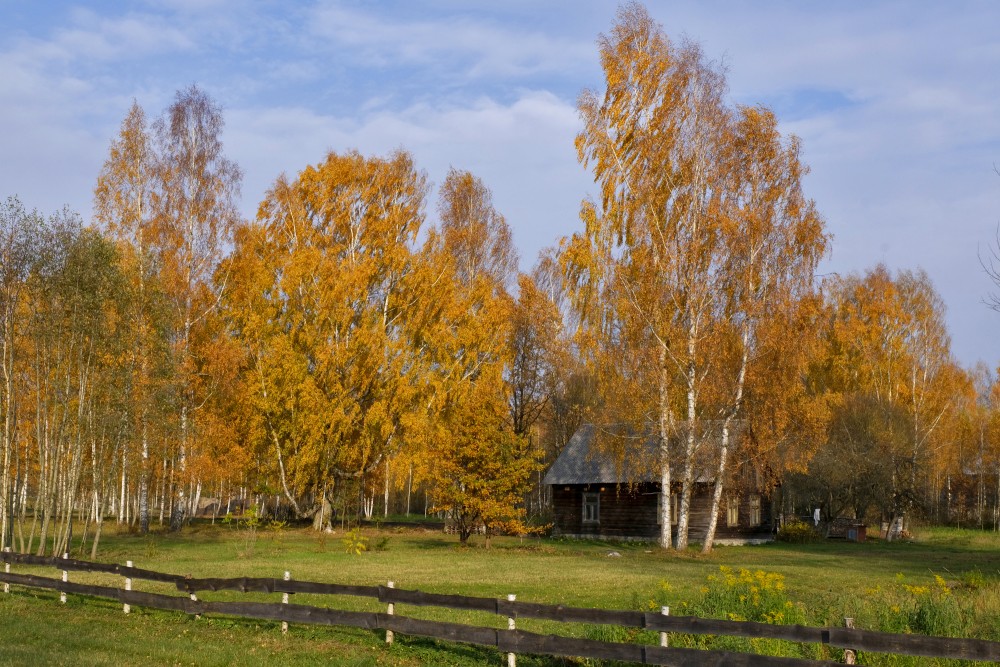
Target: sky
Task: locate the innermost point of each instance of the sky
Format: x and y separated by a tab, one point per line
897	105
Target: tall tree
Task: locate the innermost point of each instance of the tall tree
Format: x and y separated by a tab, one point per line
330	304
77	305
479	466
700	227
19	231
886	339
194	211
122	206
536	331
773	240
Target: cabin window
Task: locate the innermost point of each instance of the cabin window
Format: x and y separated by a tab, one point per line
755	510
591	507
674	508
733	511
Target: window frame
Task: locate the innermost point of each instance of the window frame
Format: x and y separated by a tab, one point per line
674	508
591	499
732	511
755	514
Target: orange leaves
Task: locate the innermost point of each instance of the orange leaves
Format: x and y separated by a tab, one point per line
333	289
478	466
701	233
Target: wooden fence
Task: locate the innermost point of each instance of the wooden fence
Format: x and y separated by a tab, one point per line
510	641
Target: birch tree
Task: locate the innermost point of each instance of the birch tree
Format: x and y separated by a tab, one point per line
773	240
122	205
479	466
194	204
886	339
19	230
330	304
700	222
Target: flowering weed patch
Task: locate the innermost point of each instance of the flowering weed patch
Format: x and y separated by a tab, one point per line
922	607
741	595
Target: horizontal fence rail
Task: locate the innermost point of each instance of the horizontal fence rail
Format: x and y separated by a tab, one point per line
508	641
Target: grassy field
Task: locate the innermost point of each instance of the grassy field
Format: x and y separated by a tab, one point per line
947	580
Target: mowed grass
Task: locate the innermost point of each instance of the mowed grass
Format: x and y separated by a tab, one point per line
831	580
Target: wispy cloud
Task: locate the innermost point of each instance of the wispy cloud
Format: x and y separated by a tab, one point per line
464	44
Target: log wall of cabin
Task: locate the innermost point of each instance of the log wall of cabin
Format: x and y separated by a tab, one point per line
632	513
624	512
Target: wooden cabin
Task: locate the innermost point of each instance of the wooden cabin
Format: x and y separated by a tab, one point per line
596	496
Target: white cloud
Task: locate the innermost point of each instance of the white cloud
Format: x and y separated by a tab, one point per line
477	48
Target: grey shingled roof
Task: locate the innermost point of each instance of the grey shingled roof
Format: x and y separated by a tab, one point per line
583	462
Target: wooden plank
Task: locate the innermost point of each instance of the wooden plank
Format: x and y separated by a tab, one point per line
242	584
519	641
711	626
419	598
456	632
527	642
61	563
688	657
916	645
631	619
35	581
298	586
156	601
292	613
88	566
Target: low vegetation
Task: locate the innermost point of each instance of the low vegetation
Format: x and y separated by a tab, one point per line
944	582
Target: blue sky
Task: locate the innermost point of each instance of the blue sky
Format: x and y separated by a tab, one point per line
897	104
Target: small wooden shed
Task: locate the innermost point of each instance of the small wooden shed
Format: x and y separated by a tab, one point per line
596	496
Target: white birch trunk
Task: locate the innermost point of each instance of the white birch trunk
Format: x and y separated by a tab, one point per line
720	473
665	481
386	499
688	480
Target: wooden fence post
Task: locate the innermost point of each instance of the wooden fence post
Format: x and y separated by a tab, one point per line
390	611
511	625
663	635
849	655
284	600
6	568
65	577
127	608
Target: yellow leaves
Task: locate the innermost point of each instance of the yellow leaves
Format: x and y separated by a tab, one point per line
325	318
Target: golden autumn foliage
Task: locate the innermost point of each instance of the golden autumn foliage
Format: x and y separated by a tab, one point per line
327	300
478	465
892	386
700	235
174	351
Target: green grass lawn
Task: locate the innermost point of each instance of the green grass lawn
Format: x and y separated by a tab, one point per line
826	581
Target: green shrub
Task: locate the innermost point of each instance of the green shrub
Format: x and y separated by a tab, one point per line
797	532
743	595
